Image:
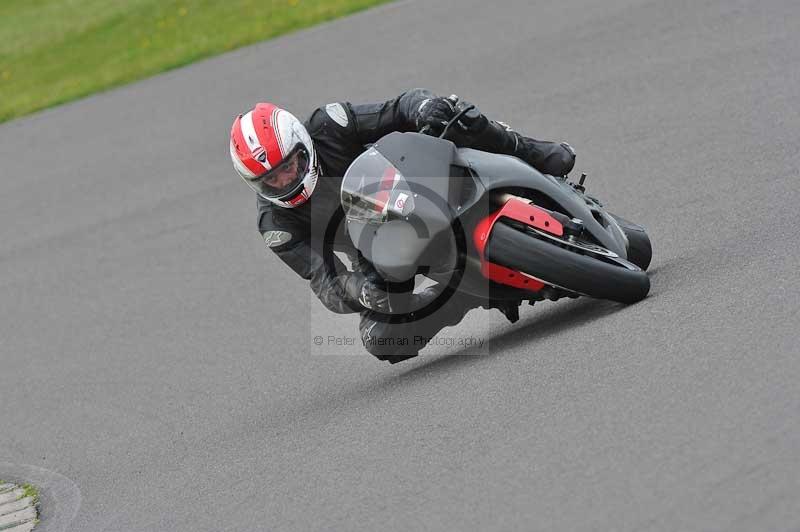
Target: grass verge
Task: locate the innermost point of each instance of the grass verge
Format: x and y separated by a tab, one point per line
54	51
32	492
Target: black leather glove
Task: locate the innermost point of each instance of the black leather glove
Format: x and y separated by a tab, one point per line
436	113
369	293
433	114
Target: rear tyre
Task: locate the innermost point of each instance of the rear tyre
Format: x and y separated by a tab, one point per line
566	268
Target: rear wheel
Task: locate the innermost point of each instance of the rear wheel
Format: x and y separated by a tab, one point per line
572	265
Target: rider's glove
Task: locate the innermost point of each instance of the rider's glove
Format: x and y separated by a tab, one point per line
369	293
433	114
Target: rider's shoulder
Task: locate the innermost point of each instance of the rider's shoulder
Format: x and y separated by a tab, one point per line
332	118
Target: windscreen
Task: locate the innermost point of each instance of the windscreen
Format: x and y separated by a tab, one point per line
374	191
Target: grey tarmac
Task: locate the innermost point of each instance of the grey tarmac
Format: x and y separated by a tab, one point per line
154	353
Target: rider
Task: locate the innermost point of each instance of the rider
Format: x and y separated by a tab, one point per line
286	161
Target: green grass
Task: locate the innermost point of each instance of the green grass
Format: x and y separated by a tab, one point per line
32	492
53	51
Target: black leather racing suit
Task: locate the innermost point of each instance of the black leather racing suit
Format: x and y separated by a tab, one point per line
304	237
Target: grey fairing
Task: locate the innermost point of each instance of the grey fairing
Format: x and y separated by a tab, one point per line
503	171
398	248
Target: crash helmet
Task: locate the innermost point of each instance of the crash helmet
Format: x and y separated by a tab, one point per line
273	152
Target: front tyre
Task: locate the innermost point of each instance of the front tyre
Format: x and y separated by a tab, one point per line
640	251
566	267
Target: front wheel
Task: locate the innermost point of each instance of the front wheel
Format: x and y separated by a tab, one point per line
640	251
579	269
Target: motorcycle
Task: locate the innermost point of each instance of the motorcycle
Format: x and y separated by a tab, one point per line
487	224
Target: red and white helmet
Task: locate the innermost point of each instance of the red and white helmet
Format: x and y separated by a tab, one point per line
273	152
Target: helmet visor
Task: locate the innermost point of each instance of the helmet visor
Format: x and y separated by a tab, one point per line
284	179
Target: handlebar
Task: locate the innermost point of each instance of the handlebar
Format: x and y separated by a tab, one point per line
427	129
453	120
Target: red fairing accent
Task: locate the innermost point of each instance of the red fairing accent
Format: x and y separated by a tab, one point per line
520	211
387	181
532	215
482	231
503	275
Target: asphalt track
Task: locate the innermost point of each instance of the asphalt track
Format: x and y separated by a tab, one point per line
157	356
